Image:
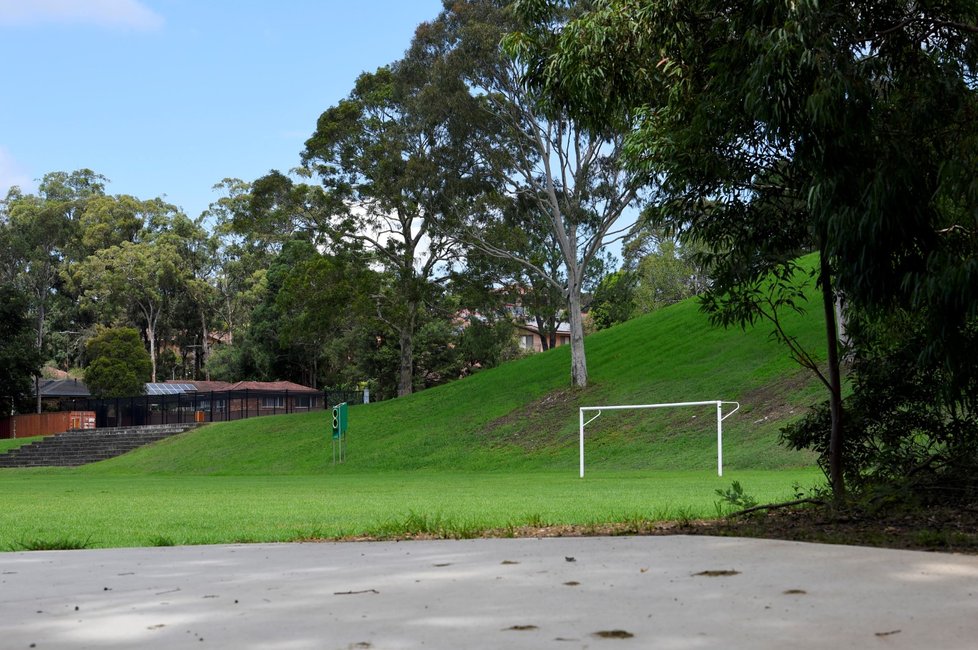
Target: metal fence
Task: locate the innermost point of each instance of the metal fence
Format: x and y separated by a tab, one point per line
206	406
351	397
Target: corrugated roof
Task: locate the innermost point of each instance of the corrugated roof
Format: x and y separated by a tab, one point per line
202	386
207	386
63	388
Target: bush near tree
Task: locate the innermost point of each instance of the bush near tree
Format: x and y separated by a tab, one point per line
120	365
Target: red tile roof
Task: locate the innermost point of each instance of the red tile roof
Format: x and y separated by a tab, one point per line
207	386
273	385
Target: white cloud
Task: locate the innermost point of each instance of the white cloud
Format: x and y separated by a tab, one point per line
125	14
11	173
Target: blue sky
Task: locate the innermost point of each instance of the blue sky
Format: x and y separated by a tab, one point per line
168	97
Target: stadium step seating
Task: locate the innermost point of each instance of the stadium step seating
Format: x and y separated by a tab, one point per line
78	447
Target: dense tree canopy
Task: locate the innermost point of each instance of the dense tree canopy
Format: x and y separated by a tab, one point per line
20	361
42	235
141	277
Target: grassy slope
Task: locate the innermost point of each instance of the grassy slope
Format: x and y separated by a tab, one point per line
522	417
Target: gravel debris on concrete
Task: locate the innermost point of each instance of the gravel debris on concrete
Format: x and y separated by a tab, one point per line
678	592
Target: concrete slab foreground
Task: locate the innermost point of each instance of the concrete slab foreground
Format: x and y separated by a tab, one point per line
682	593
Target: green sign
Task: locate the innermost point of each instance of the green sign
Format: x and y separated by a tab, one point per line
339	421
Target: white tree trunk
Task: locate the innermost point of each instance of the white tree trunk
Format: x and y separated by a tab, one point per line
204	348
152	315
576	320
151	335
840	326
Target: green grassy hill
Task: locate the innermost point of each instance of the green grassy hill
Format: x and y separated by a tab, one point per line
523	416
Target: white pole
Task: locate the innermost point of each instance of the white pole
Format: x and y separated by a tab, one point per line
719	439
581	414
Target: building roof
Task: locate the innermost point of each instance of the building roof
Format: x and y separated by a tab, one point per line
273	386
63	388
74	388
170	388
562	327
202	386
278	386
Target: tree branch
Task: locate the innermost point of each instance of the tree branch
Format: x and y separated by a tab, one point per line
776	506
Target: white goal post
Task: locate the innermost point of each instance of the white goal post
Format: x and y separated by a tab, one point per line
720	418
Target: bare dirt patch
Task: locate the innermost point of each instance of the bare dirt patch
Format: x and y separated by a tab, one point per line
537	424
948	529
772	401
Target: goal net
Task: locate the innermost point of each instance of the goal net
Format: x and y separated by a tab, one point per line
620	407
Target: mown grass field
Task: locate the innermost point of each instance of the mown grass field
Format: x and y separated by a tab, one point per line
58	510
492	451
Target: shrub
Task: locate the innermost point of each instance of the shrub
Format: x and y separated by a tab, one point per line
910	432
120	364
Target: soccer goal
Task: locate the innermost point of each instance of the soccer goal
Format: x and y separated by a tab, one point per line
720	418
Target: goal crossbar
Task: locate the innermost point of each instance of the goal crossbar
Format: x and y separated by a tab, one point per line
620	407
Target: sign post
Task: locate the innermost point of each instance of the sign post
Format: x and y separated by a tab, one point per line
339	424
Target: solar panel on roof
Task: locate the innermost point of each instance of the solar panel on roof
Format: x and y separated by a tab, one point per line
170	389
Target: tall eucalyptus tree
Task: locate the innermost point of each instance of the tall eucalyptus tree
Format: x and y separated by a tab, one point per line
569	175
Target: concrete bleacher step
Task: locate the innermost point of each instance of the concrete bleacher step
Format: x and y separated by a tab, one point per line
80	447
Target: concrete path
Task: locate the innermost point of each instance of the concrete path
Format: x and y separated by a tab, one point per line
682	593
